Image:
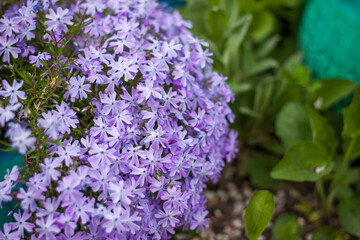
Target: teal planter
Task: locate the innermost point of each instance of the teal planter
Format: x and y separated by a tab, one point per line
174	3
329	36
7	161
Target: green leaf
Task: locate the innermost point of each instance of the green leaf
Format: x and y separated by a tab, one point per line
304	161
258	213
263	25
292	124
324	233
349	215
332	91
323	132
259	167
286	227
351	116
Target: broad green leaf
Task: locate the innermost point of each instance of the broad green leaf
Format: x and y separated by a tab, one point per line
304	161
349	215
259	167
258	213
324	233
292	124
323	132
351	116
332	91
286	227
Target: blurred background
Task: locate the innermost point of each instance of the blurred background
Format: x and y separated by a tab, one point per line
285	60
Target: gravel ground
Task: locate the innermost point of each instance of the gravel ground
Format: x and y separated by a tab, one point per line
228	199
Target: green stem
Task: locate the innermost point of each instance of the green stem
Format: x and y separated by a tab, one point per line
321	191
337	178
344	162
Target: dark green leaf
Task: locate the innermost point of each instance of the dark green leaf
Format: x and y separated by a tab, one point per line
304	161
349	215
323	132
259	167
324	233
351	116
292	124
258	213
286	227
332	91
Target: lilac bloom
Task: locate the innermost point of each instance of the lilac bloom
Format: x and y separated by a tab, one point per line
68	188
167	217
6	48
120	192
42	56
58	20
149	90
9	26
123	68
22	140
67	118
47	228
13	91
28	198
50	208
78	88
7	113
7	234
22	223
93	6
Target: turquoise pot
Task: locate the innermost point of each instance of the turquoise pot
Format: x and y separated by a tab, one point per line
174	3
7	161
329	36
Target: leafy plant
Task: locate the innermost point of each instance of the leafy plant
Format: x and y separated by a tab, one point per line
314	159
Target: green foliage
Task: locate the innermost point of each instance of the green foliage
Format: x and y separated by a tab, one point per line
258	213
259	166
243	35
286	227
304	161
349	215
293	124
285	121
324	233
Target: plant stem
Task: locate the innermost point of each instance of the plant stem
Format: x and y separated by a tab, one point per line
321	191
337	178
344	162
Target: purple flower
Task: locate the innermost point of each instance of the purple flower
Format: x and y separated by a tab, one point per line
42	56
12	91
47	228
58	20
7	113
6	48
20	138
21	223
78	88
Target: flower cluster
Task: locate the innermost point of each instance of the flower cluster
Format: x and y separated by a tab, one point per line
131	121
